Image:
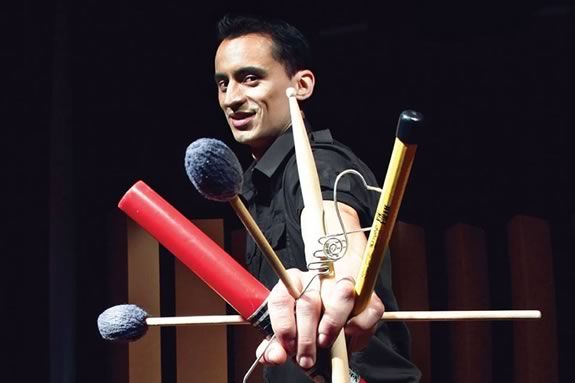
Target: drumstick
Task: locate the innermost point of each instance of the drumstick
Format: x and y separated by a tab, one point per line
388	206
313	203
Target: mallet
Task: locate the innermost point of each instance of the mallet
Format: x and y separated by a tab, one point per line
216	173
128	322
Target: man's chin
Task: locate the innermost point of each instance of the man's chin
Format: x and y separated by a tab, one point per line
242	137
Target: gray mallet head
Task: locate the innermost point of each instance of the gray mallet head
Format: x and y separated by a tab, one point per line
123	323
214	169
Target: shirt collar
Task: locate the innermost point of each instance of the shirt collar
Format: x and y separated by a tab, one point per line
269	163
275	155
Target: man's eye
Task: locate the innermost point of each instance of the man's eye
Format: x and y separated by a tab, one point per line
222	85
250	79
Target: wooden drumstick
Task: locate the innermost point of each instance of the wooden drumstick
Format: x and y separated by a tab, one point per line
388	206
313	203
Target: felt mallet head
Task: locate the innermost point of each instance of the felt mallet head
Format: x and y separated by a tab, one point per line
125	322
214	169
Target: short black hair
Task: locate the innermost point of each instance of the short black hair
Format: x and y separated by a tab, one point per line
290	47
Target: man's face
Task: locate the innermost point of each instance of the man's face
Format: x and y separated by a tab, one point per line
251	90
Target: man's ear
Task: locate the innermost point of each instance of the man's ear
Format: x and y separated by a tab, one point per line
304	81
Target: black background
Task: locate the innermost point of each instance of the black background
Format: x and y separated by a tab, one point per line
100	94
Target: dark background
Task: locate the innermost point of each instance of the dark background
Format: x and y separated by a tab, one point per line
100	94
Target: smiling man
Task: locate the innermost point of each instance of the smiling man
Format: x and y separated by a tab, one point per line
256	61
252	84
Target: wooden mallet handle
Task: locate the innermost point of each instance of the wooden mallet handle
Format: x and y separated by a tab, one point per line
406	316
263	244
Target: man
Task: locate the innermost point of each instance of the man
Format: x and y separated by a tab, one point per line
256	61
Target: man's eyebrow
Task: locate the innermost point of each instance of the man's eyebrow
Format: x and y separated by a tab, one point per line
241	72
219	76
250	70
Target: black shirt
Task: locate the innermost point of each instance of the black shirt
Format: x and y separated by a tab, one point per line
273	196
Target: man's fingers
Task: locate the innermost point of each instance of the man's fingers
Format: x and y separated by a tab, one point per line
363	325
281	306
274	353
368	318
308	308
338	306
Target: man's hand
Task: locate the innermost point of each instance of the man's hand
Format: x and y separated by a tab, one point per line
317	317
300	326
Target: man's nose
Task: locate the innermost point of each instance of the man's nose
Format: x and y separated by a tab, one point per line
234	96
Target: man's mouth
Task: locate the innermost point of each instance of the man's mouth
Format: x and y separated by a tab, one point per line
240	120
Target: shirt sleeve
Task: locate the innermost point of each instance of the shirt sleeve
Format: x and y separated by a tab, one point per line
350	188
